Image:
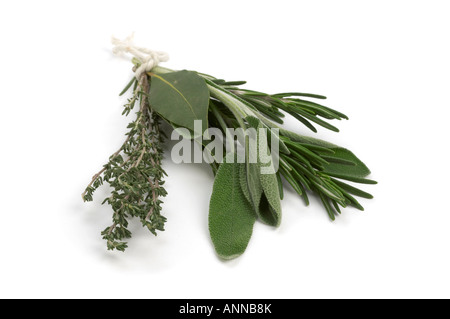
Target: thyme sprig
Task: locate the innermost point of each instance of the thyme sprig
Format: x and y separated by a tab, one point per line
134	173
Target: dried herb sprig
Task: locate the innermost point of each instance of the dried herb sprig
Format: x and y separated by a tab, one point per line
134	172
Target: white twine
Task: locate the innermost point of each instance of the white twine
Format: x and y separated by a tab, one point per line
148	58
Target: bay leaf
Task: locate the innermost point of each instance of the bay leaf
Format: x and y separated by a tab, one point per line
180	97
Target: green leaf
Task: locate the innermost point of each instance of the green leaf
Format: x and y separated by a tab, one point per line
317	120
231	216
280	186
251	185
289	94
266	199
304	121
268	124
243	182
252	170
263	188
315	105
338	160
351	178
358	169
270	205
180	97
343	164
128	86
352	190
327	206
234	83
306	139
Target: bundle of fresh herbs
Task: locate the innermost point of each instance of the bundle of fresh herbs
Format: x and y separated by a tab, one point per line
248	182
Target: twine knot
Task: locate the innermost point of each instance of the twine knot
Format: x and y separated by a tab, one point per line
148	58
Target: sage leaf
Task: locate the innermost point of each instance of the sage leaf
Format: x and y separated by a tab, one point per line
252	187
280	186
231	216
249	174
243	183
180	97
358	169
266	202
253	170
342	162
263	188
270	205
269	125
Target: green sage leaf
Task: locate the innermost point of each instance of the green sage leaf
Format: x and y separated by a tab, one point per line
359	169
231	216
253	170
180	97
343	162
267	200
263	188
270	205
243	183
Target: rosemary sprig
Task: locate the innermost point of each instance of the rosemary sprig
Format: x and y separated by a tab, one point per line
304	163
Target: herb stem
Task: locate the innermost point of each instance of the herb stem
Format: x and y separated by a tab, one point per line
96	176
111	229
218	116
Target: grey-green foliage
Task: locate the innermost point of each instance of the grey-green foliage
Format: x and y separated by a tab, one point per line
262	188
231	216
270	206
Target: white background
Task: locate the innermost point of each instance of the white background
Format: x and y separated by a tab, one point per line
384	63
